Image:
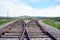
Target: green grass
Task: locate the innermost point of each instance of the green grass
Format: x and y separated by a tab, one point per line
52	23
5	21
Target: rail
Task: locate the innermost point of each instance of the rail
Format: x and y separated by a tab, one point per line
25	33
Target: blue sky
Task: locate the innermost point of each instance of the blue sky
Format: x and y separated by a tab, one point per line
50	8
41	3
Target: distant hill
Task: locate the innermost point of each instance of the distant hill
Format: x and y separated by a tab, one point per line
39	17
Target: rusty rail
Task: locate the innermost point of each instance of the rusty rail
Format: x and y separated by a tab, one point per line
25	32
6	29
44	30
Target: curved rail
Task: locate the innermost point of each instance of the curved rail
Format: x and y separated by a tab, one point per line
25	29
25	32
44	30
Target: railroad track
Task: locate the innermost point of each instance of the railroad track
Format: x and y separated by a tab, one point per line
13	31
20	30
36	31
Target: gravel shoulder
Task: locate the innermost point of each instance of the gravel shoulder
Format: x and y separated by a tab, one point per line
50	29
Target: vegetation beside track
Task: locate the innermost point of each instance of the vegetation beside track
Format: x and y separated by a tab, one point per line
53	23
5	21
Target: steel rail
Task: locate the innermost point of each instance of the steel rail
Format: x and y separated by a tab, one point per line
44	30
6	29
22	37
25	32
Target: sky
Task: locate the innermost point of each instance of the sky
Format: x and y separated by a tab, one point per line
15	8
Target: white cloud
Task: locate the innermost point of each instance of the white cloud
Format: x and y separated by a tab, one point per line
45	12
48	12
14	9
23	9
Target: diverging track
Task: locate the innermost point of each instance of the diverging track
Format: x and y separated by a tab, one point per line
13	31
36	31
20	30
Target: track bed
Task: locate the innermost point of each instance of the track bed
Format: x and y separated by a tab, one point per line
14	33
21	30
35	31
